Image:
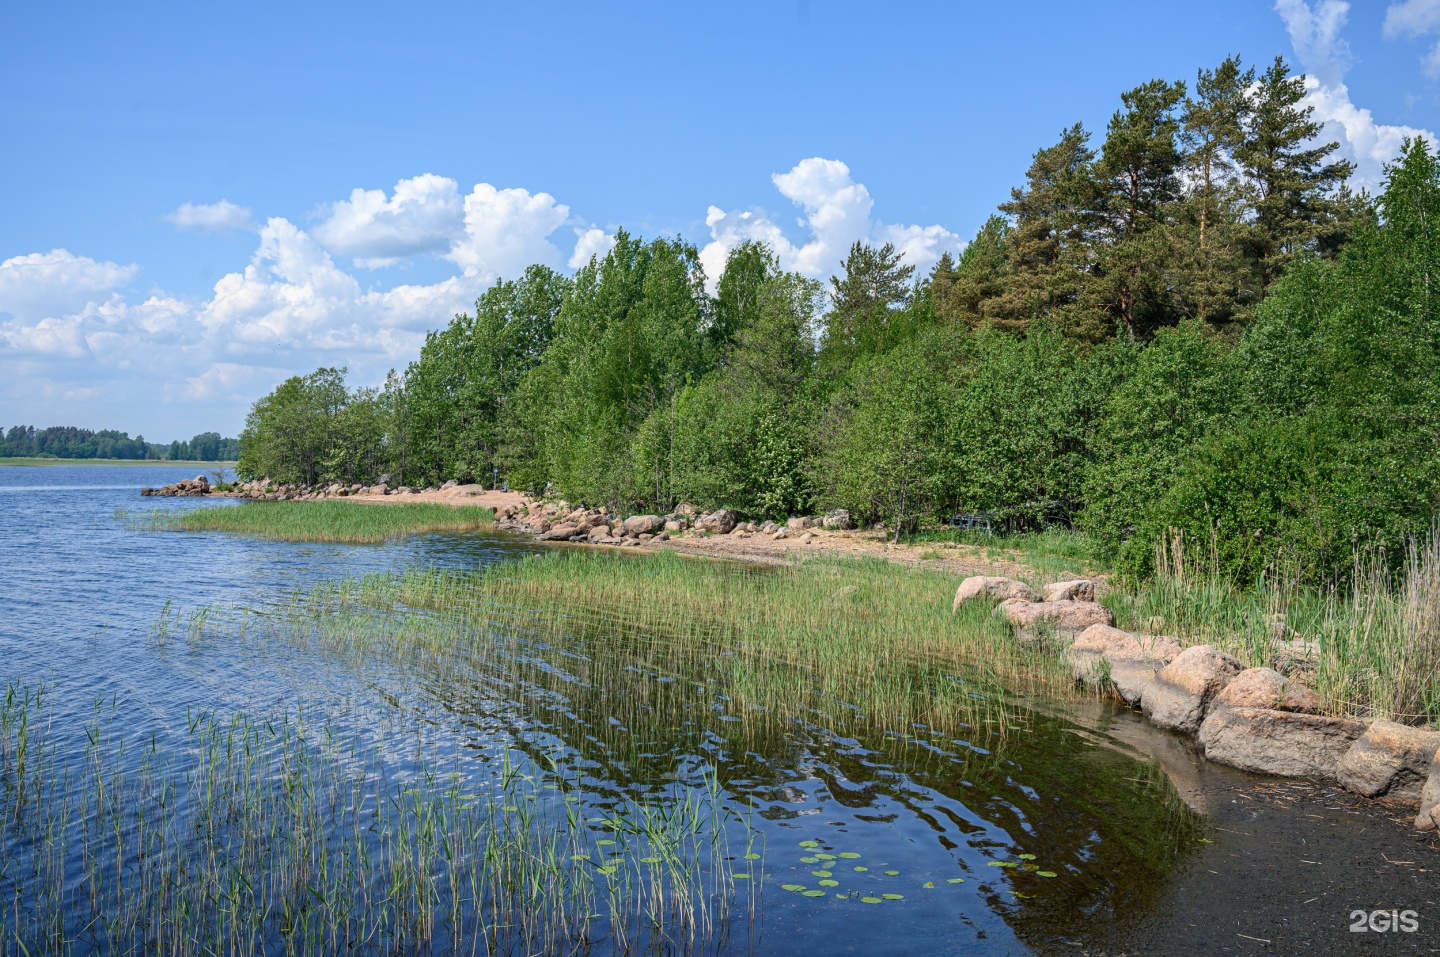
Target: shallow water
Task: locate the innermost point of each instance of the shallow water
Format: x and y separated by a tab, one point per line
1086	790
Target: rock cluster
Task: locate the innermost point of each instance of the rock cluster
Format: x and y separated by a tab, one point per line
1258	719
199	485
263	490
559	523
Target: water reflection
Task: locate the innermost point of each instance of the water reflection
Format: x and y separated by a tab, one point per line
633	715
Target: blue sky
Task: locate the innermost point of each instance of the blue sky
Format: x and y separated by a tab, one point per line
196	201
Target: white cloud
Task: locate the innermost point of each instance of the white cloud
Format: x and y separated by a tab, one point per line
211	217
1416	18
75	348
43	285
423	215
837	215
589	242
1369	144
1315	34
507	230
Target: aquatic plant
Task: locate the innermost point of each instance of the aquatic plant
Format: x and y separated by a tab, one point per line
329	520
266	835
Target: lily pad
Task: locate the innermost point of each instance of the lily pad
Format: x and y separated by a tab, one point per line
930	884
870	900
860	869
829	883
752	857
893	897
1046	874
821	873
809	843
649	860
826	857
849	855
812	894
792	887
1026	857
809	860
608	869
741	876
604	842
955	880
892	873
842	897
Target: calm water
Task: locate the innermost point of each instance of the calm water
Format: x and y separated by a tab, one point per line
81	595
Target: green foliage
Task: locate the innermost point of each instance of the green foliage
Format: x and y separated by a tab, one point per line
1190	330
68	442
456	392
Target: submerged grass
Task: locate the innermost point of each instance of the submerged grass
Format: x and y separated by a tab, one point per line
328	520
867	641
265	835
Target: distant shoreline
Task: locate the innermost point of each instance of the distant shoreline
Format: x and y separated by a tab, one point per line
175	462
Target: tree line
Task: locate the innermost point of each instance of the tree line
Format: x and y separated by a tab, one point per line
68	442
1193	328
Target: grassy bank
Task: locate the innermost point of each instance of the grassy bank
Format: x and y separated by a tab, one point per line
869	643
881	637
321	521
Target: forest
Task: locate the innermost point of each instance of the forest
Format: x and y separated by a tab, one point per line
68	442
1187	328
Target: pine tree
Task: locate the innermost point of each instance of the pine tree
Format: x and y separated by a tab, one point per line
1295	199
1137	189
966	290
1207	267
1047	235
867	307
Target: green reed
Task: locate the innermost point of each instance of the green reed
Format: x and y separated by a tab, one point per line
1374	641
328	520
266	835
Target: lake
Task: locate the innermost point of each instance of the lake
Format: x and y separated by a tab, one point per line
1076	830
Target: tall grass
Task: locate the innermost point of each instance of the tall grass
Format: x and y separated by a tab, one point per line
270	836
871	643
330	520
1049	554
1369	646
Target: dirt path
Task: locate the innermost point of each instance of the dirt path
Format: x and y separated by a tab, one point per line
762	549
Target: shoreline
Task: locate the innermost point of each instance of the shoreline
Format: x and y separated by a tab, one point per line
1263	720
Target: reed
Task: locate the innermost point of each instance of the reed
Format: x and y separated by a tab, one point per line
266	835
1370	646
330	520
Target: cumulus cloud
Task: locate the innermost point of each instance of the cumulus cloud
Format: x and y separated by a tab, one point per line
1315	33
43	285
589	242
422	215
292	296
75	347
211	217
836	216
507	230
1416	18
